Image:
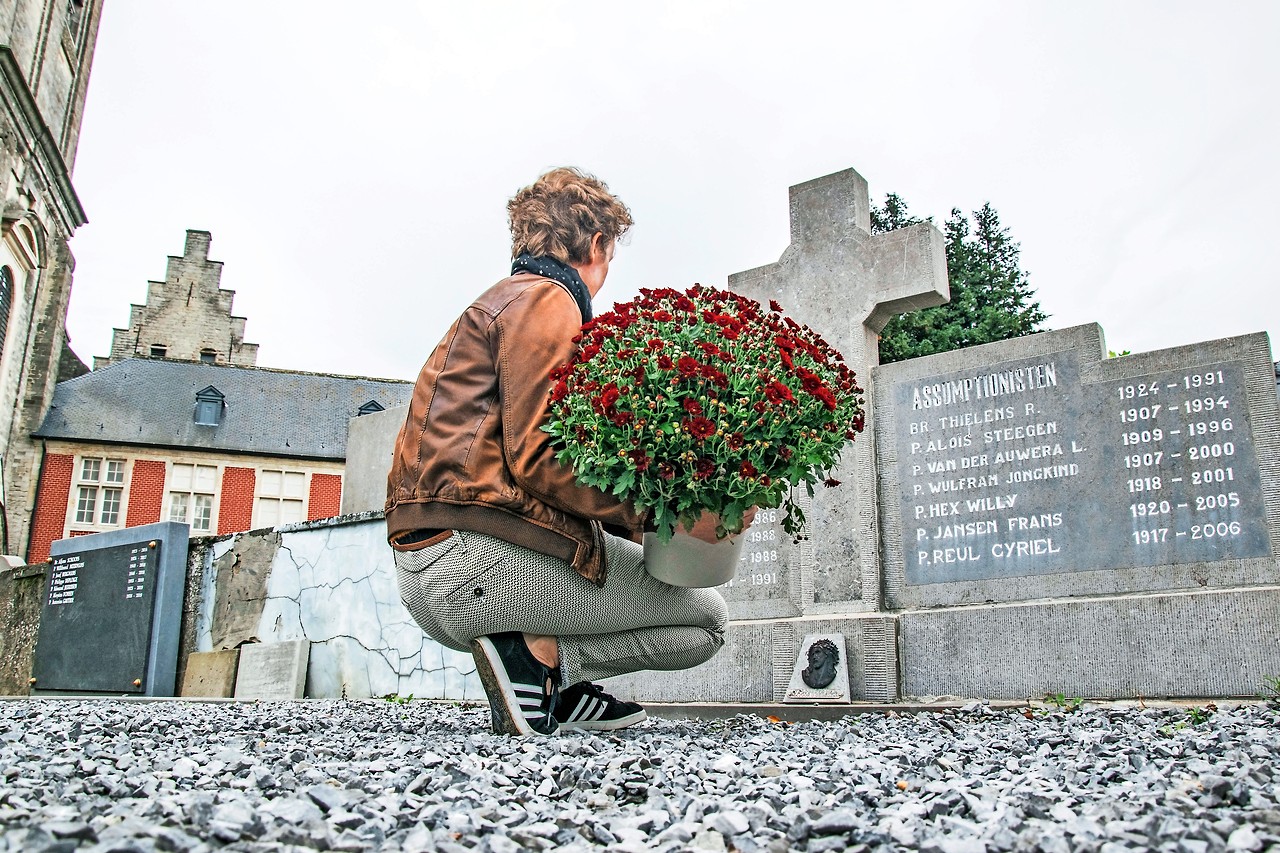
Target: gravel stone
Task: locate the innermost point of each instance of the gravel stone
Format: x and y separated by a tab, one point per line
185	777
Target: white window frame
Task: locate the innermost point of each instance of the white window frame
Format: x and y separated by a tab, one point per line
275	504
185	494
99	486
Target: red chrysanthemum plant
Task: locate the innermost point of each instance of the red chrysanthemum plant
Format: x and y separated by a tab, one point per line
702	401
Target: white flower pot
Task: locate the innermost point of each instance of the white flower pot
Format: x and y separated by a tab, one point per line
689	562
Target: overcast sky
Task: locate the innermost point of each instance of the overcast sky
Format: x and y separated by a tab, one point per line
353	169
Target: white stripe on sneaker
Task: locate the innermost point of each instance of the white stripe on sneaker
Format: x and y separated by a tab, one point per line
577	712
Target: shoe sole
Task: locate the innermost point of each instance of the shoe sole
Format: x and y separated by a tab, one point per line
606	725
501	693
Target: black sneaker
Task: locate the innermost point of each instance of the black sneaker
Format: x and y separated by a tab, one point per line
586	706
522	690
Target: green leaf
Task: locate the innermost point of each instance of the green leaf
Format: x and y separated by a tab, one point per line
625	482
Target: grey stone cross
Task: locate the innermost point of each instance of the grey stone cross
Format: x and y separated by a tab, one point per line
846	284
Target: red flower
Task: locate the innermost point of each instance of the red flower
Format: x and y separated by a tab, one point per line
830	483
809	380
644	386
688	365
700	427
776	393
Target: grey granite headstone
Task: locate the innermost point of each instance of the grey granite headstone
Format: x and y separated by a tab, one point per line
273	670
845	283
1036	467
113	613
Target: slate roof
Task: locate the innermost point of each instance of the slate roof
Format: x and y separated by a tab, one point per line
152	402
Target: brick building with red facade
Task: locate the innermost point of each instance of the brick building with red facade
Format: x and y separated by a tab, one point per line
221	448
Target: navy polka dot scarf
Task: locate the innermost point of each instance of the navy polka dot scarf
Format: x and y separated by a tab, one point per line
562	274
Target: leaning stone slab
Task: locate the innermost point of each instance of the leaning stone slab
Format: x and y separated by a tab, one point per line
821	673
211	674
273	670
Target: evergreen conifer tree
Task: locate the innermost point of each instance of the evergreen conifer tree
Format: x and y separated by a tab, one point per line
991	295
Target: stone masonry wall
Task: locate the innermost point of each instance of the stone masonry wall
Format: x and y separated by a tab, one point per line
21	597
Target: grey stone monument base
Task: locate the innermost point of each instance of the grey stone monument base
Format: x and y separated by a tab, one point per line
759	657
1192	644
1210	643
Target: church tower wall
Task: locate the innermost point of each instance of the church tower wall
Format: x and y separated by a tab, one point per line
46	51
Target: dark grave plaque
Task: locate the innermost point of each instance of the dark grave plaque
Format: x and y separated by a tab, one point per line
111	617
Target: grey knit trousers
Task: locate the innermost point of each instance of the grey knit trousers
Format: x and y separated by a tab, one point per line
472	584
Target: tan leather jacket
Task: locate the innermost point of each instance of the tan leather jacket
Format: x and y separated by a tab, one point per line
471	454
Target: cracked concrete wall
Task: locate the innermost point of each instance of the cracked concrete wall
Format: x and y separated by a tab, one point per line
333	583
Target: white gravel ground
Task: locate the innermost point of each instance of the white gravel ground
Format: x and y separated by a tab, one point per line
109	775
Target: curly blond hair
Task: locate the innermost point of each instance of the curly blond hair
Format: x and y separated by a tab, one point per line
558	214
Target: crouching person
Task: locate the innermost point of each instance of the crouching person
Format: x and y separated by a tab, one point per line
498	550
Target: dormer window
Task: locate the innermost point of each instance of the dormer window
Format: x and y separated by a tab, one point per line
159	350
369	408
209	356
209	406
